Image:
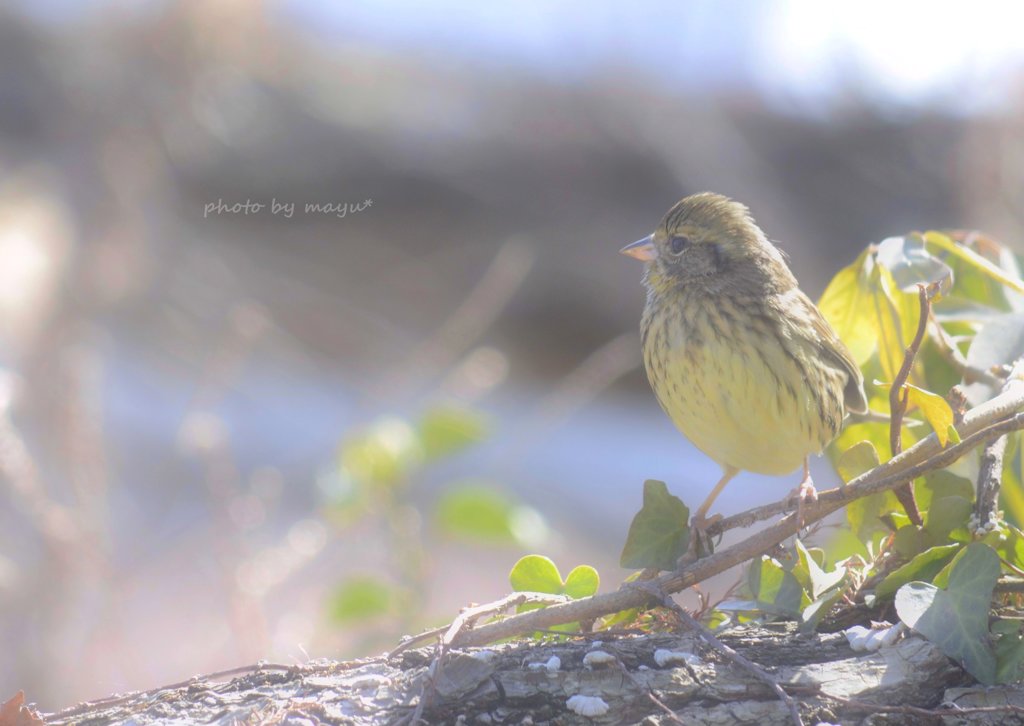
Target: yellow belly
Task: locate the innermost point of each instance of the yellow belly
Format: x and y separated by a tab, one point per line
750	410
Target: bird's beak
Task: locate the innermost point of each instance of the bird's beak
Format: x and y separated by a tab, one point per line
643	249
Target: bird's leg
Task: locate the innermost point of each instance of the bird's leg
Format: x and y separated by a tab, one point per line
700	522
804	490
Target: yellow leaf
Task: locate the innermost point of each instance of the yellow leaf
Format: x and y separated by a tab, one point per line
844	304
935	408
870	313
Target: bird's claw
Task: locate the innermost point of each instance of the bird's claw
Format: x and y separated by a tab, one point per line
803	492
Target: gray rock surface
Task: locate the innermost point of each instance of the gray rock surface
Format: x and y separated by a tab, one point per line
499	686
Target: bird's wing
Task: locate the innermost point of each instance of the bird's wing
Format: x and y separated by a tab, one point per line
834	350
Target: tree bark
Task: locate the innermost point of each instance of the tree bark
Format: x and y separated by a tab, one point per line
520	683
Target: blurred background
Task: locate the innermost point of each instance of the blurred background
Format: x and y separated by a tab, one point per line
233	429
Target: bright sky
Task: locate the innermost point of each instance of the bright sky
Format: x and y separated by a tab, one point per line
904	53
961	56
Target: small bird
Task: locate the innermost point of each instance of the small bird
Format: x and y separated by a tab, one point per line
739	358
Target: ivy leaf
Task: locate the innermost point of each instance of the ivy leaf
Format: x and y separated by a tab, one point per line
859	458
956	619
810	574
813	613
536	573
923	566
945	515
1009	650
775	590
863	514
582	581
660	531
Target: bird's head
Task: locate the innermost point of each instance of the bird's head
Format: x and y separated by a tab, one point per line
709	238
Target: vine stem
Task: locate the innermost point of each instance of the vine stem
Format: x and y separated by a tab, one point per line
899	396
980	425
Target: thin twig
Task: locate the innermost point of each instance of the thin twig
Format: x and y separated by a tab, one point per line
1010	585
666	601
898	397
465	620
989	480
87	707
936	713
990	474
468	616
980	425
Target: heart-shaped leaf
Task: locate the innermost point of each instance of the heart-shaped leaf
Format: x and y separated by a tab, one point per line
956	619
660	531
536	573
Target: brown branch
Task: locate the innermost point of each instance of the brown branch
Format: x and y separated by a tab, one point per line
989	480
666	601
980	425
82	709
898	397
468	616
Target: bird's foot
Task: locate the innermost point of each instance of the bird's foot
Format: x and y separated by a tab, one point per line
803	492
701	544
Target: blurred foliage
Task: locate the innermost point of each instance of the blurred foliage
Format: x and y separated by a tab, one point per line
381	468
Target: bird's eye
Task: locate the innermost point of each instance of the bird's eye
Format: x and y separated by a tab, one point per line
678	244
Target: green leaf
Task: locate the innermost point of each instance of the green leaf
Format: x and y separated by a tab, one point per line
447	430
582	581
863	514
909	541
383	454
999	342
911	264
813	613
859	458
476	512
975	260
956	619
361	598
810	574
660	531
775	590
942	483
923	566
1008	541
536	573
945	515
1009	651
